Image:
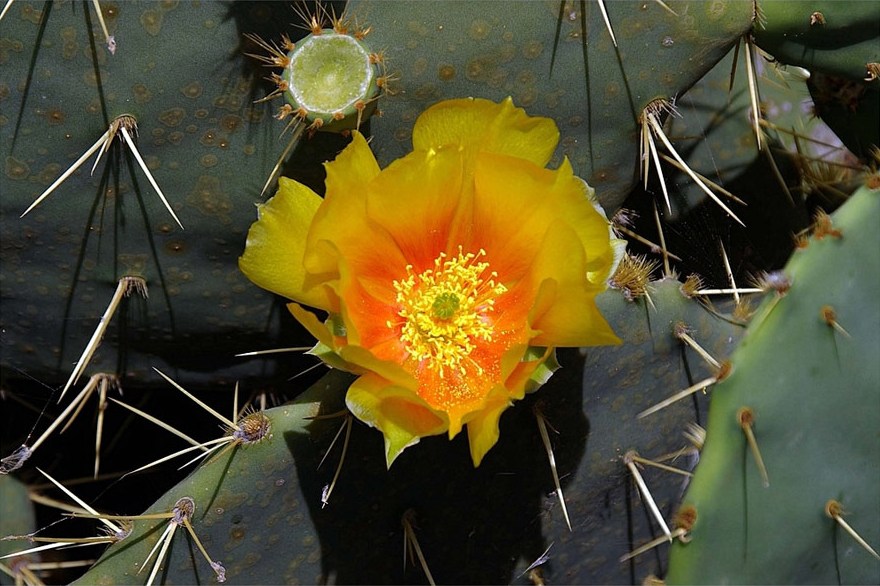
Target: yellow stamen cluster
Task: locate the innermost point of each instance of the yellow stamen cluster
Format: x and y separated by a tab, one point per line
445	310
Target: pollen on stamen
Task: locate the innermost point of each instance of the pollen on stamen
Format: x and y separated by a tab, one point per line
445	311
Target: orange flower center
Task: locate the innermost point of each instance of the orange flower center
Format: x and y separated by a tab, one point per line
446	309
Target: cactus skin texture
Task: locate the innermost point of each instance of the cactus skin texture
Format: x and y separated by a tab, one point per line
17	517
180	69
260	511
815	397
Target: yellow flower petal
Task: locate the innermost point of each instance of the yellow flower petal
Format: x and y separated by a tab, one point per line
482	427
401	416
365	361
350	358
368	302
565	311
601	270
312	324
341	226
516	202
273	256
483	430
483	126
418	200
327	348
354	167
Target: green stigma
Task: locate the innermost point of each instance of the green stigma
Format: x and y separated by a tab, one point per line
445	305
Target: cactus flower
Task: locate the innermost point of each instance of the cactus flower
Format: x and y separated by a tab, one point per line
448	277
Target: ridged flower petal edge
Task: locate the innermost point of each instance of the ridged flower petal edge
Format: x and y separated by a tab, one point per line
449	278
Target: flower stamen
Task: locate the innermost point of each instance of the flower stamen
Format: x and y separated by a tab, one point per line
446	309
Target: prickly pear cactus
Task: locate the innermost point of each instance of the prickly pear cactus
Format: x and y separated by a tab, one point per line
804	387
191	78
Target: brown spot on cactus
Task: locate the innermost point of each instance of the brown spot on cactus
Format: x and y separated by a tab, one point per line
16	169
446	72
686	517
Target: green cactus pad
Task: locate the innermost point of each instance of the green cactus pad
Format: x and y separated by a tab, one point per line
17	517
813	393
832	36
